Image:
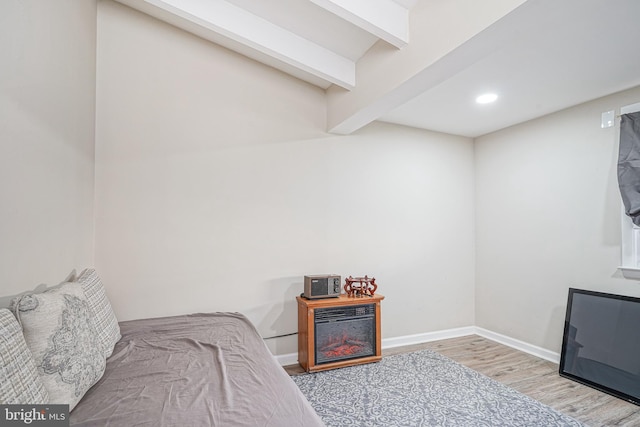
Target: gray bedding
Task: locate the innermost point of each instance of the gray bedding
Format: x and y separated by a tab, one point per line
194	370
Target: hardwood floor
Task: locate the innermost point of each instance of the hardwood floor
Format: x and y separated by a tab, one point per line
529	375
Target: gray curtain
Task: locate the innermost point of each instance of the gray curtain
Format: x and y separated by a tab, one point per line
629	165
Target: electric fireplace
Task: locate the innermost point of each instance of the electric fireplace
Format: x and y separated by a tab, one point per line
337	332
345	332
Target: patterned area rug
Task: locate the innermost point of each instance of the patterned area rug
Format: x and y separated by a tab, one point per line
422	388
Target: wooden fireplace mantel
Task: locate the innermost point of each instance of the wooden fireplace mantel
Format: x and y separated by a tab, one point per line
306	330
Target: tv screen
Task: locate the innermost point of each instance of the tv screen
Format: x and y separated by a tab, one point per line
601	343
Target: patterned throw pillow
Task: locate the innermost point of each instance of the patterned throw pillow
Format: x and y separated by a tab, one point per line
19	380
105	318
59	330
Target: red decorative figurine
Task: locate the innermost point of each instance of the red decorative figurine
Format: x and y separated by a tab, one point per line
360	286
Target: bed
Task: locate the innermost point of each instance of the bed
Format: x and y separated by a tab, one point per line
193	370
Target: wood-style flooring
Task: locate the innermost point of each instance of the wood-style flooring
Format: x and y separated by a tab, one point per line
529	375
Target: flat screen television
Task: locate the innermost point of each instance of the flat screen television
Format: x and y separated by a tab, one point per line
601	343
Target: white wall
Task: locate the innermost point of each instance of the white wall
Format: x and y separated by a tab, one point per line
47	110
218	189
547	218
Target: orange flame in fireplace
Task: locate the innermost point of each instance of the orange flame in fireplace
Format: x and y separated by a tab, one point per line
341	346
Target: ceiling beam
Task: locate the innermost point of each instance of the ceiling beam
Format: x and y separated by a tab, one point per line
237	29
386	19
437	51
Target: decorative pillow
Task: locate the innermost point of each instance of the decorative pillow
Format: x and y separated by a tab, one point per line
105	319
72	277
19	380
59	330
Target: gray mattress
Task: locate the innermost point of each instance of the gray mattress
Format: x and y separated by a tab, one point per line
195	370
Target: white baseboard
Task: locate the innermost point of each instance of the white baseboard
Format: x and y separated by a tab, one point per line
534	350
287	359
292	358
427	337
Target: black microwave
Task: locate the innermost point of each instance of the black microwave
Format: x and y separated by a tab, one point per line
322	286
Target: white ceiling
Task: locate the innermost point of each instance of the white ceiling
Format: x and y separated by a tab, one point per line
559	54
547	56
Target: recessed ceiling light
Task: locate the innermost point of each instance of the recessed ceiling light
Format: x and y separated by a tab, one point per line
487	98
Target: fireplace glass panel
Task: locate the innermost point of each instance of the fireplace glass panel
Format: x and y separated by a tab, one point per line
343	333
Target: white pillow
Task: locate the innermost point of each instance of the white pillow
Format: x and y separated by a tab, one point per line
20	383
105	319
59	330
